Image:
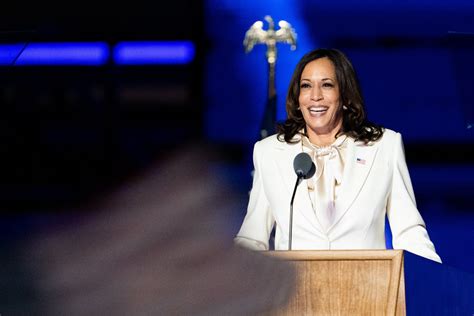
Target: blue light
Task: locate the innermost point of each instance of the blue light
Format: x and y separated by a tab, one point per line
153	52
8	53
56	54
96	54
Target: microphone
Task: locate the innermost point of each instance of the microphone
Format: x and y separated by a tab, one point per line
304	166
304	169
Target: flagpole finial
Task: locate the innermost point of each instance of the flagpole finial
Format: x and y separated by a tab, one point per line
257	35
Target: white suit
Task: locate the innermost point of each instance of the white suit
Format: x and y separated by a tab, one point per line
375	183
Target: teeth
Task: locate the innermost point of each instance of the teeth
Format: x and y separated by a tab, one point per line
318	109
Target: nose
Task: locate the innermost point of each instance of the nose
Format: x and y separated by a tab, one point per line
316	94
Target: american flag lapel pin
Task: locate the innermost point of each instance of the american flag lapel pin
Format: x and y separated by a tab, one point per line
361	161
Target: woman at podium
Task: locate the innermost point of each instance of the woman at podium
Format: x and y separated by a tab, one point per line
361	173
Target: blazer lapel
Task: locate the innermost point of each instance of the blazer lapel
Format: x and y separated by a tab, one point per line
302	203
284	154
359	160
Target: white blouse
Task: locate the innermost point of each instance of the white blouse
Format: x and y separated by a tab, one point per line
324	186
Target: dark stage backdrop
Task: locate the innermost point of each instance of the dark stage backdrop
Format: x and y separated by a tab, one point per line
71	133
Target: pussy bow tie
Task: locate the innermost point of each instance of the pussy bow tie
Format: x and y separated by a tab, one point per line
328	159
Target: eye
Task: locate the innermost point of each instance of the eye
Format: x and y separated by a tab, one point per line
328	85
305	85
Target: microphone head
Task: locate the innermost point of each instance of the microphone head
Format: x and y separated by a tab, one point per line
304	166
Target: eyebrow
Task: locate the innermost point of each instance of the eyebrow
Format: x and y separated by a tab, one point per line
324	79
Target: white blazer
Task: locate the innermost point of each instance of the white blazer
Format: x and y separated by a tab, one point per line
369	191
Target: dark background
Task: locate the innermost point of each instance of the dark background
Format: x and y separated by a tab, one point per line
70	134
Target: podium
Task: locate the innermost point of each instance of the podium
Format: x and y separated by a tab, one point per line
375	282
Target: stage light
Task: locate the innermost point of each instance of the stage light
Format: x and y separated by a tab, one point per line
97	53
9	52
55	54
153	52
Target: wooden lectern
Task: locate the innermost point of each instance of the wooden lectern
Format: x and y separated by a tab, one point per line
349	282
375	282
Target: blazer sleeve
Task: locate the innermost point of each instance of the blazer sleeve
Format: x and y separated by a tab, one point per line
258	222
407	225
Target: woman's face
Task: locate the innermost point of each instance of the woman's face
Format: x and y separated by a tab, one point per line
319	98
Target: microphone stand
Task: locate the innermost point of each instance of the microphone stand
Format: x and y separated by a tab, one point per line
298	180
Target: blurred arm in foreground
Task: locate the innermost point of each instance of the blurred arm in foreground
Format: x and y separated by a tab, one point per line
156	246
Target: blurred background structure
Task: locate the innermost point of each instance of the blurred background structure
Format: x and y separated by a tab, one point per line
153	76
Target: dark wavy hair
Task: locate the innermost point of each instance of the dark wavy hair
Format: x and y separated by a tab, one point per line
354	121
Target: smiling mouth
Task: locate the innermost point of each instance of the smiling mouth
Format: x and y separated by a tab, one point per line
318	110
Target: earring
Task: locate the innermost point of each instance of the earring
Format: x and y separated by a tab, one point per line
344	107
